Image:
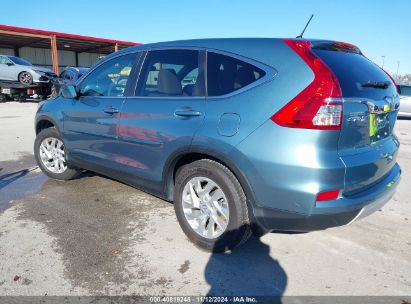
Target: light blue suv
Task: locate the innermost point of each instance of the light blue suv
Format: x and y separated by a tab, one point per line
242	135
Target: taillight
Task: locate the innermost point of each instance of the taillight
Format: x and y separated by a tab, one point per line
319	105
347	47
328	195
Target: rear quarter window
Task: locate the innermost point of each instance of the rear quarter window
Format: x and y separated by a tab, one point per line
352	71
226	74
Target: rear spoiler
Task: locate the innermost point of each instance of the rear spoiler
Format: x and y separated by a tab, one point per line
336	46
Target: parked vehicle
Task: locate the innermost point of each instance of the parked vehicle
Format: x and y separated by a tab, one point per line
14	68
405	104
12	90
274	134
69	75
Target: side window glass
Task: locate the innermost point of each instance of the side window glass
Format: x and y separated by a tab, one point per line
7	60
109	79
226	74
4	60
171	73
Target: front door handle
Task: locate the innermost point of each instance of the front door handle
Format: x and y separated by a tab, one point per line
186	113
111	110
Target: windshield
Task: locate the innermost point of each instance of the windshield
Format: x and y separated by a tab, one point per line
20	61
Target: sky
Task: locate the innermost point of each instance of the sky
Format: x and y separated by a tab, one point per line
379	28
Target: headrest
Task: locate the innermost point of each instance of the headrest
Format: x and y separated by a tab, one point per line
168	82
244	77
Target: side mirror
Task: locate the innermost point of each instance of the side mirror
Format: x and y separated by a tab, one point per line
9	63
68	91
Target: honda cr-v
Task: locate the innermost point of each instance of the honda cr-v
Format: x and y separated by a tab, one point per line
241	134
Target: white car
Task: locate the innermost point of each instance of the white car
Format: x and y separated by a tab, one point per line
405	100
14	68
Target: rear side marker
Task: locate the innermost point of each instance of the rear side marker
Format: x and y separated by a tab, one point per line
328	195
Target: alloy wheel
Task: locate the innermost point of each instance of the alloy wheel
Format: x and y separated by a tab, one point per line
25	78
205	207
52	155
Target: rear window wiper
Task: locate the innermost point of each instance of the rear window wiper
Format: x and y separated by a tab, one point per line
377	84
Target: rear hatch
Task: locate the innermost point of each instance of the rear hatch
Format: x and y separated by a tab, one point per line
367	144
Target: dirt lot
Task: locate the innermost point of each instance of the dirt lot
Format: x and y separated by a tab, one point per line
94	235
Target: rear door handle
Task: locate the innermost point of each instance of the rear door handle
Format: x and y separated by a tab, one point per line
186	113
111	110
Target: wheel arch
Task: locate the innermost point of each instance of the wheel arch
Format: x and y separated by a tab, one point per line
185	157
44	122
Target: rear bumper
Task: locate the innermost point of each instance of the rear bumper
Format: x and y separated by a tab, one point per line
341	211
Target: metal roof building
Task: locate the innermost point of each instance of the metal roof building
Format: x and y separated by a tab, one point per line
56	50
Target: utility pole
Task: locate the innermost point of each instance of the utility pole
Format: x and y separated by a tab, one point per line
383	60
398	67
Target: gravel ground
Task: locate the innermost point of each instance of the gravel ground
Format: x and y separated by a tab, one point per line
96	236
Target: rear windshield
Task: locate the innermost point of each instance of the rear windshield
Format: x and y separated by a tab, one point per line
353	70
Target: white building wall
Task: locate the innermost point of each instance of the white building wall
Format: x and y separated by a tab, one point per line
67	58
4	51
42	57
88	59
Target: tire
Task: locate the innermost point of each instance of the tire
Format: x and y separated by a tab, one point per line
237	229
61	171
19	98
25	78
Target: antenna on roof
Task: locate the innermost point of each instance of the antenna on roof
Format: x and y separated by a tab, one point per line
302	33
